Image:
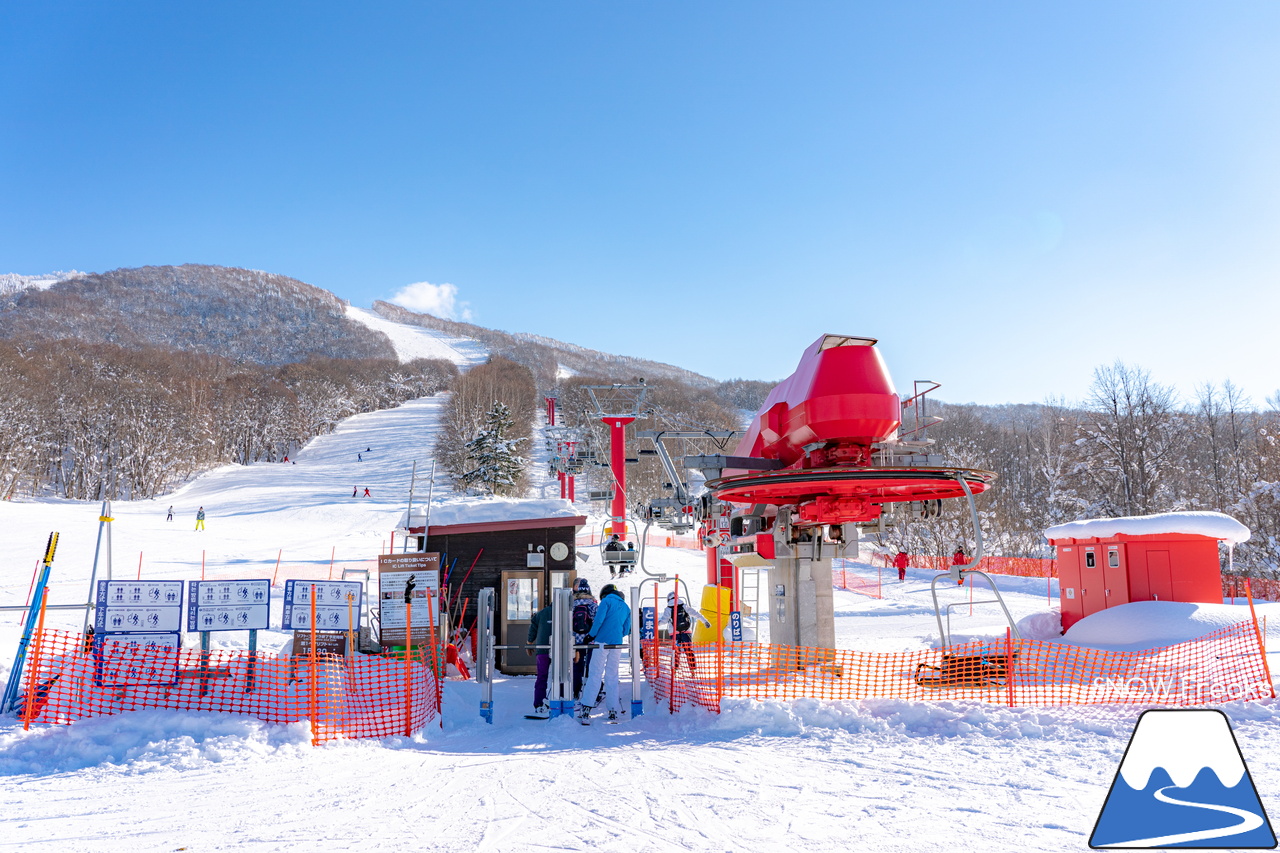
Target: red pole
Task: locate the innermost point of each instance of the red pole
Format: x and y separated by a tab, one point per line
276	574
618	462
1262	646
202	565
332	553
436	669
315	725
675	649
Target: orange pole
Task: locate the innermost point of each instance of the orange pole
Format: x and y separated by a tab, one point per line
276	573
332	552
408	667
202	565
1008	663
719	651
29	711
139	565
315	728
675	648
1262	646
351	621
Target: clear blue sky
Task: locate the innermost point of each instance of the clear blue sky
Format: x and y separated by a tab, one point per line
1006	194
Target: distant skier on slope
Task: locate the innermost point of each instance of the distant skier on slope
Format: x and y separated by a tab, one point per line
366	492
900	562
200	519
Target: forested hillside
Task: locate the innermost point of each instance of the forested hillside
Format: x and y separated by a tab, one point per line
1133	447
242	315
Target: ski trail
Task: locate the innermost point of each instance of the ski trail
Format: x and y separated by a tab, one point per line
1248	821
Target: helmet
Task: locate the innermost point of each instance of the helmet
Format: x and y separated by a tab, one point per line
582	585
608	589
671	596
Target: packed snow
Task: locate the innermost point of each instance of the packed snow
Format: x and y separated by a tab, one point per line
1215	525
412	342
886	775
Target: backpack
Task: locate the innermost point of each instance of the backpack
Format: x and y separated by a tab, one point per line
582	616
683	622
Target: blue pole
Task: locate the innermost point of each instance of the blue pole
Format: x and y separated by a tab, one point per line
10	699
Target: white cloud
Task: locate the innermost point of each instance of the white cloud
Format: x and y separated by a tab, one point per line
440	300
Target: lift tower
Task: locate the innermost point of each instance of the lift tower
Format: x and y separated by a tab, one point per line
617	406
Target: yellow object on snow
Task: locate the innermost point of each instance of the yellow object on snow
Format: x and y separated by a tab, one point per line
710	594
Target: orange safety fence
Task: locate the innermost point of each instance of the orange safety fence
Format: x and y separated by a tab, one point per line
1022	567
849	581
1264	589
1223	666
361	696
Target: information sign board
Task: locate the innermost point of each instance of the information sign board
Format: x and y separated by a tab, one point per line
735	625
647	625
136	660
337	605
132	606
416	573
228	605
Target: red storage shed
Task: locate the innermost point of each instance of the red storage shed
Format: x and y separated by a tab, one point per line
1171	556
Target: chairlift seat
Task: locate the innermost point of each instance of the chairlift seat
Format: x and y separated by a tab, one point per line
620	558
976	671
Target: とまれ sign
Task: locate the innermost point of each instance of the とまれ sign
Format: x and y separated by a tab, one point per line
405	577
229	605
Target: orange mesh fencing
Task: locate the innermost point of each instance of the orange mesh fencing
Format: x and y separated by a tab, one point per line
362	696
1223	666
849	581
1022	567
1264	589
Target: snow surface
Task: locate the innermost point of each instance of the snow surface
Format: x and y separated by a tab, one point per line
883	775
413	342
1213	524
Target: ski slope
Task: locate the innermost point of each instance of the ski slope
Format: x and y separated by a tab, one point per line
413	342
883	775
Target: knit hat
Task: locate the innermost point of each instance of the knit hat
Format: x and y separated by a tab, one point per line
582	585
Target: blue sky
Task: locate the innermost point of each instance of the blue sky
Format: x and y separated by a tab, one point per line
1007	195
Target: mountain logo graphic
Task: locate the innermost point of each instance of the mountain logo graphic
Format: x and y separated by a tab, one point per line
1183	783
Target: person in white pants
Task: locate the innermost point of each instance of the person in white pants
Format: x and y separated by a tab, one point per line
611	626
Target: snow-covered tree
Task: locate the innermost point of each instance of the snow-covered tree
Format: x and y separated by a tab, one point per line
495	465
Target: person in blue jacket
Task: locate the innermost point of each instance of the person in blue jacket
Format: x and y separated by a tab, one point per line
611	626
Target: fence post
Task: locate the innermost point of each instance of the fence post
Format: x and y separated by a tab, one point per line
720	652
435	658
315	723
675	649
1262	645
408	665
32	684
276	573
1008	663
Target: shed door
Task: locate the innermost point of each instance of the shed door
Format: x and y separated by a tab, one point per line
1093	585
520	597
1159	578
1115	575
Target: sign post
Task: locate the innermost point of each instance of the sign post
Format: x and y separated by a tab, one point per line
237	605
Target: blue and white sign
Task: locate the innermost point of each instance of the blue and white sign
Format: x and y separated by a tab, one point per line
337	605
735	625
229	605
134	606
647	623
136	660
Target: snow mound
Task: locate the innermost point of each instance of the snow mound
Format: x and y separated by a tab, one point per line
1041	626
1141	625
145	741
1213	524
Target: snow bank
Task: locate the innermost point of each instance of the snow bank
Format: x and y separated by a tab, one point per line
483	510
1141	625
146	741
1213	524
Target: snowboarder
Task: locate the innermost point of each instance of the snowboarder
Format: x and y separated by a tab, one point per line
170	516
540	645
359	457
355	490
200	519
366	492
683	628
610	627
584	613
900	562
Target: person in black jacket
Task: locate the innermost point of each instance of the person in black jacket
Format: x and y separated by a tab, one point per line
540	638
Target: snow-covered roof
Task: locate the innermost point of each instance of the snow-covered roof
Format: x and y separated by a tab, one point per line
1215	525
484	510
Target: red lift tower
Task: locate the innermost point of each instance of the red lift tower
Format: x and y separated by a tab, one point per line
617	406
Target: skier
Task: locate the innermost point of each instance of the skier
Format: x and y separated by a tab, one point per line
540	645
366	492
359	457
610	627
900	562
959	558
286	460
200	519
355	490
170	516
613	545
683	628
584	613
